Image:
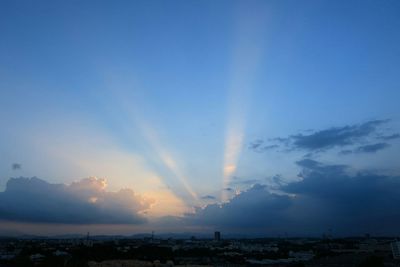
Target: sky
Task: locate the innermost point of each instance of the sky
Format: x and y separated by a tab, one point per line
123	117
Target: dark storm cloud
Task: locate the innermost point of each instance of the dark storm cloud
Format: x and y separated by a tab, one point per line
83	202
319	141
372	148
327	196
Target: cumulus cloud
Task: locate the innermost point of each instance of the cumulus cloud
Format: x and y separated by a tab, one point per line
84	202
251	209
326	196
335	137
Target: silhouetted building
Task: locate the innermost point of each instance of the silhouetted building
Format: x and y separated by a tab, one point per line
87	242
217	236
396	249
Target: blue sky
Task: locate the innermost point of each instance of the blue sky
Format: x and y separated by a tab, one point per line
168	98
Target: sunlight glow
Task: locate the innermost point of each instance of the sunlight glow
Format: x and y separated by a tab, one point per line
166	203
92	200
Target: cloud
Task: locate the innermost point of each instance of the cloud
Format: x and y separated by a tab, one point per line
326	196
251	209
16	166
349	203
258	146
346	152
372	148
238	181
335	137
390	137
316	166
208	197
82	202
330	138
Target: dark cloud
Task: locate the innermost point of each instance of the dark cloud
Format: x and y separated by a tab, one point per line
335	137
389	137
327	196
323	140
269	147
208	197
349	203
83	202
239	181
316	166
277	179
346	152
16	166
258	146
284	140
251	209
372	148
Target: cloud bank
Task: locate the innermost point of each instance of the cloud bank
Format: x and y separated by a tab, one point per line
326	197
362	135
82	202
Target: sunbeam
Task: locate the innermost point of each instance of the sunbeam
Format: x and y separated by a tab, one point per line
165	156
158	147
245	59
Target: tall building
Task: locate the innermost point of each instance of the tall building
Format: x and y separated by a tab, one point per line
217	236
396	249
